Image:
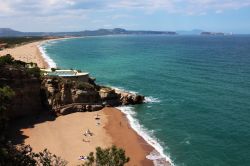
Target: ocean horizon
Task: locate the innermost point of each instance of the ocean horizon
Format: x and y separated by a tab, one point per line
197	90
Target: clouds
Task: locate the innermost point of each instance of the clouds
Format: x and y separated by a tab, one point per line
55	12
182	6
10	7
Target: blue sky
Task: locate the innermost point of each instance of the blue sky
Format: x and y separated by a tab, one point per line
74	15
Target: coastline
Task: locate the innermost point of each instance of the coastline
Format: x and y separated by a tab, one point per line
124	136
33	52
137	155
28	53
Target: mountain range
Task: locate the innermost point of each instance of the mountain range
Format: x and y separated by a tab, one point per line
7	32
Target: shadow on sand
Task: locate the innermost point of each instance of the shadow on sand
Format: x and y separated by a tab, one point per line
15	133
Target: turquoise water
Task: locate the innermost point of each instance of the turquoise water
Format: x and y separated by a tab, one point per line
199	87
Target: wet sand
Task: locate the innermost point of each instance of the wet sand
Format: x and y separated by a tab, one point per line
124	136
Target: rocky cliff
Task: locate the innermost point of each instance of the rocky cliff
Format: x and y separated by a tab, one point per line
66	96
26	87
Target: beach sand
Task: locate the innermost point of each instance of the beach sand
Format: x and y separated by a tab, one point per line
64	135
27	53
124	136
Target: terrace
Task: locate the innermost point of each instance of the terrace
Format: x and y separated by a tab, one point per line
68	74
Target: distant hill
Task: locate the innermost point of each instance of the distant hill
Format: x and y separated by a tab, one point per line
7	32
191	32
215	33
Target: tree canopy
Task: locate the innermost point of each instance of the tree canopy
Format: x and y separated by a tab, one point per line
111	156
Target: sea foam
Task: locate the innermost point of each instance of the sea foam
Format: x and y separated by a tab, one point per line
50	61
151	99
148	99
157	156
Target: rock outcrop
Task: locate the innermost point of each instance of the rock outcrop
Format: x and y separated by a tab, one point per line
65	96
114	97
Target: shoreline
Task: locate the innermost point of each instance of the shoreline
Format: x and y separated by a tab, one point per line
124	136
50	62
43	62
33	52
28	53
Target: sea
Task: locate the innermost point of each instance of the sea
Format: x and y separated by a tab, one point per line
197	88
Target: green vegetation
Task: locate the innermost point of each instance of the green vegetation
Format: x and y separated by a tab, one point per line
35	72
9	60
13	41
6	60
6	93
24	156
107	157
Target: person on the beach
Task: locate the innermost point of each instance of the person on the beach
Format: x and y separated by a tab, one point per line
82	158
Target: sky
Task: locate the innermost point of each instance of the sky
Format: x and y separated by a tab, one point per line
165	15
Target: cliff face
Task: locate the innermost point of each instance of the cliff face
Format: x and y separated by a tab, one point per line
66	96
26	87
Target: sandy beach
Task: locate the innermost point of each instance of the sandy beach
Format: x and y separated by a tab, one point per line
27	53
124	136
64	135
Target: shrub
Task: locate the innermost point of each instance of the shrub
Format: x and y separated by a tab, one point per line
112	156
24	156
35	71
6	93
6	60
46	158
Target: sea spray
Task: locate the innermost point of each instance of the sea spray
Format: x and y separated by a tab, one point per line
122	89
151	99
157	156
148	99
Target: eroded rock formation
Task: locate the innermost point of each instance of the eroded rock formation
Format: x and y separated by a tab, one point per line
66	96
